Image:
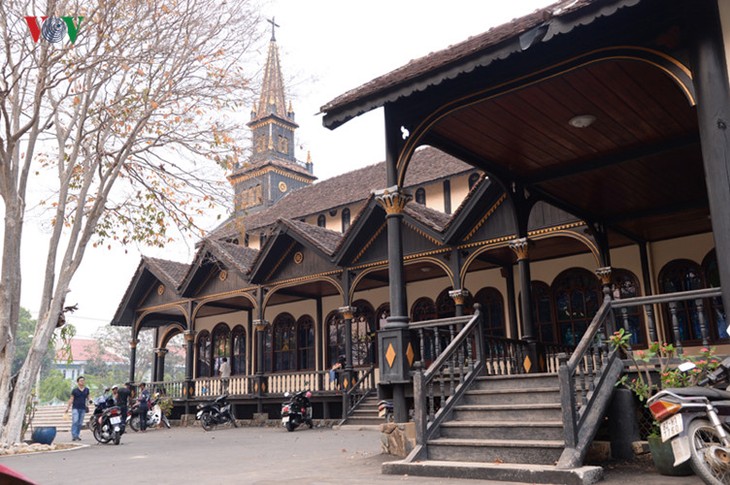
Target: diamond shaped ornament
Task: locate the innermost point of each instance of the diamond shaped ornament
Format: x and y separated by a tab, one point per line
527	364
390	355
410	354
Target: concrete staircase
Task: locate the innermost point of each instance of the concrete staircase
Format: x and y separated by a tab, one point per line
366	414
506	428
51	416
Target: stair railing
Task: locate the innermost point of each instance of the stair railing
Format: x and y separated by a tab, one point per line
361	389
436	389
586	385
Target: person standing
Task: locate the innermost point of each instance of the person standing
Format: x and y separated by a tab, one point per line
225	371
79	403
122	400
143	400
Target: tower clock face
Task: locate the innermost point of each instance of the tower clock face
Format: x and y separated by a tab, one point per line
282	186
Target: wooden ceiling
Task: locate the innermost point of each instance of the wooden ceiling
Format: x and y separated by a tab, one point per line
638	167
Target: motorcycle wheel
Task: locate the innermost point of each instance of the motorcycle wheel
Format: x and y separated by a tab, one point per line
117	437
165	421
290	426
134	423
310	424
99	436
708	458
233	419
389	418
207	421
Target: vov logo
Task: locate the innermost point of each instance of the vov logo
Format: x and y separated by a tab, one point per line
53	29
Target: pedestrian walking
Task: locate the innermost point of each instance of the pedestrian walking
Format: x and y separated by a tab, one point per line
225	371
79	404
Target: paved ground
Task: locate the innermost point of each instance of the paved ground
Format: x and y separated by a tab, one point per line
249	456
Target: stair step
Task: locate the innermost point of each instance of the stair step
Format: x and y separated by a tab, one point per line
517	381
502	472
546	452
541	430
508	412
512	396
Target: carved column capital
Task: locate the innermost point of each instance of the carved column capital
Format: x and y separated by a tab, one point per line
393	199
189	335
133	343
161	352
459	296
604	274
520	246
347	312
260	324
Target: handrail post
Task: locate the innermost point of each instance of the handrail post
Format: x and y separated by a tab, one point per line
419	404
480	334
567	402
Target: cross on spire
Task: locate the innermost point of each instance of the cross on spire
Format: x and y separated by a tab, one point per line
274	25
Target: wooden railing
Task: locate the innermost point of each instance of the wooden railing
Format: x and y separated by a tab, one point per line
362	388
173	389
436	389
215	386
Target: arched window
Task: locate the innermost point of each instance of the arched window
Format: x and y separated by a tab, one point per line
204	354
382	314
493	310
322	220
421	195
682	275
542	312
268	349
284	351
363	326
577	296
445	306
345	219
423	309
221	346
626	285
335	337
473	179
447	196
716	309
238	347
305	342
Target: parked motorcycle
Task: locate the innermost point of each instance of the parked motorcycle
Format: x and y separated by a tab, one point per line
697	421
297	411
385	410
155	415
215	413
106	420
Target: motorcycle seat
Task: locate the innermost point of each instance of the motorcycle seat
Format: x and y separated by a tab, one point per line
709	392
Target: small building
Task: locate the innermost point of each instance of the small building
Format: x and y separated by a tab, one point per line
82	351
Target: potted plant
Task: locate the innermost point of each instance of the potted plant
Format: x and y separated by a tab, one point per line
656	368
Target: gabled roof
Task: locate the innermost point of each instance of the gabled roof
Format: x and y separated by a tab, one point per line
431	218
237	258
477	51
171	273
326	240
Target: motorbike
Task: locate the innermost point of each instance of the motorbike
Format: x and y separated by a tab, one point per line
106	420
697	421
215	413
155	415
297	411
385	410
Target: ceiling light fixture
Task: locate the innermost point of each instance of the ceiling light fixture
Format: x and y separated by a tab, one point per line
582	121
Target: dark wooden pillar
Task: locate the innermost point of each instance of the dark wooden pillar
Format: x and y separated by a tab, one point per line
508	273
531	362
259	379
132	356
459	297
160	355
709	75
189	354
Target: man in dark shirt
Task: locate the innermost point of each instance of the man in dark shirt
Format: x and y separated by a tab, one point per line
79	399
122	400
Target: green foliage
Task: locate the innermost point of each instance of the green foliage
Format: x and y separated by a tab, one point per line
55	386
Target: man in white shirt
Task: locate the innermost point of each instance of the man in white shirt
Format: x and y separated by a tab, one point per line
225	372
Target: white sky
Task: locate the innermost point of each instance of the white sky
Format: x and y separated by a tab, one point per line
326	48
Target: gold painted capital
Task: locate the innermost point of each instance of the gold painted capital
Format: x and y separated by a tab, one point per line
347	312
604	274
189	335
161	352
459	296
260	325
133	343
520	246
393	199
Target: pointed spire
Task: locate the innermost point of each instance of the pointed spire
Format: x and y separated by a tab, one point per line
272	100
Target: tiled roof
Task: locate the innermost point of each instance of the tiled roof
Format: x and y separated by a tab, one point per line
171	271
418	69
325	239
84	349
239	257
430	217
426	165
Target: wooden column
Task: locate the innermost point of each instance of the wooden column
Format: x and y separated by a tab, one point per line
160	355
132	356
709	75
459	297
508	273
531	362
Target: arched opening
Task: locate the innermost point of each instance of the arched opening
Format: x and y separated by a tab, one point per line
577	297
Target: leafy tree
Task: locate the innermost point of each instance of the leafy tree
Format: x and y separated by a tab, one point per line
24	337
111	125
55	386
